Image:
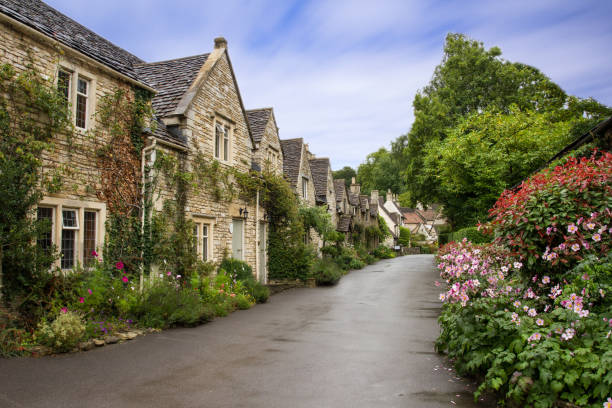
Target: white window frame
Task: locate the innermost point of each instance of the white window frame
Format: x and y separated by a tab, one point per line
58	206
199	224
223	136
77	73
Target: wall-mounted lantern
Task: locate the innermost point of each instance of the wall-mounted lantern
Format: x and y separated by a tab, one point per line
244	213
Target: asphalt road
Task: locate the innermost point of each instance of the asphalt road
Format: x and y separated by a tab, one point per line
367	342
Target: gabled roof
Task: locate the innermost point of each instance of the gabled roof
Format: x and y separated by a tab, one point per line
374	209
412	217
258	119
344	223
364	201
353	198
171	79
339	188
319	168
292	158
160	131
50	22
428	215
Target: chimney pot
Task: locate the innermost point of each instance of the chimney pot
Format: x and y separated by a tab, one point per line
220	42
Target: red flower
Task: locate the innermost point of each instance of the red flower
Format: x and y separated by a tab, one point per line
119	265
81	300
125	279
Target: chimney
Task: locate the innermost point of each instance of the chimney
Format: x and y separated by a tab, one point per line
220	42
389	195
355	188
374	196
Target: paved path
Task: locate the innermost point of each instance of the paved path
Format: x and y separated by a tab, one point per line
367	342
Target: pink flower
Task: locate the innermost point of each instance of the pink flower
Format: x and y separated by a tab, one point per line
233	295
534	337
89	291
81	300
94	254
589	226
168	273
119	265
572	228
442	297
539	322
125	279
608	403
575	247
532	312
596	237
65	310
546	279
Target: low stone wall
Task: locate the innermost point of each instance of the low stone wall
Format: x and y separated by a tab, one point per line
282	285
411	251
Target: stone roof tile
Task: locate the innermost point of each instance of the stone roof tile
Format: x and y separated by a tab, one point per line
319	168
292	158
344	223
353	198
50	22
339	188
171	79
258	119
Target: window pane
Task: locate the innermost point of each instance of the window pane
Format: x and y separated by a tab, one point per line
63	84
89	239
205	242
45	240
226	147
196	238
68	249
82	87
81	111
217	143
70	219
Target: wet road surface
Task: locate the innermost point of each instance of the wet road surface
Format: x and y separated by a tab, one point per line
367	342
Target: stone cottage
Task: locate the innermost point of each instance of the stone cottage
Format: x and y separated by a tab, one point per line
324	185
84	67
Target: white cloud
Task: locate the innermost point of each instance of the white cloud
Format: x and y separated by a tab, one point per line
343	74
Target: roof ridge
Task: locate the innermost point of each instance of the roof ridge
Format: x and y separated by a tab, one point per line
258	109
173	59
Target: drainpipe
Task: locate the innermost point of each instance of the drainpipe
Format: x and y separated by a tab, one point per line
143	160
257	235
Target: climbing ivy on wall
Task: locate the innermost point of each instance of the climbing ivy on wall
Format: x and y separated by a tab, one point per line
31	113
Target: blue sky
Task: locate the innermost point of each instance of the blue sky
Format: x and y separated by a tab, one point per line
343	74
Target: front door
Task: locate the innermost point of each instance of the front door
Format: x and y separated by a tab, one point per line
237	239
262	261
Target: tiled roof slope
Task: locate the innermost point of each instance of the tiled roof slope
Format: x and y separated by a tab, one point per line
339	187
319	169
353	198
412	217
429	215
363	201
52	23
161	132
171	79
292	156
258	119
344	223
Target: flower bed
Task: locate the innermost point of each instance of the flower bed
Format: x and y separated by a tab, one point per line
531	313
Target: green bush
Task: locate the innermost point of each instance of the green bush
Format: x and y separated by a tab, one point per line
165	304
236	268
383	252
63	334
326	272
471	234
242	302
259	292
404	239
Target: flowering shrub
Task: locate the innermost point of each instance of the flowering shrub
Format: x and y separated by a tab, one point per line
557	217
64	333
534	340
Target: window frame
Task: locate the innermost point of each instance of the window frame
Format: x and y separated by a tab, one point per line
75	74
204	242
223	136
58	206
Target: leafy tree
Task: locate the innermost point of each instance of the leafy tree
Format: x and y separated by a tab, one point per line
470	79
346	173
404	238
381	171
488	152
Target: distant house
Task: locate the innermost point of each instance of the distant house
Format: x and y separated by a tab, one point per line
343	208
296	169
324	185
267	152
